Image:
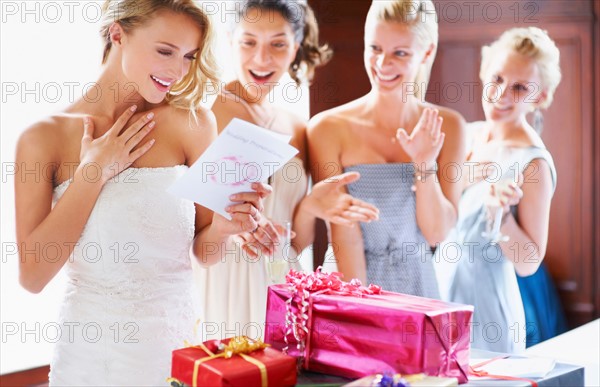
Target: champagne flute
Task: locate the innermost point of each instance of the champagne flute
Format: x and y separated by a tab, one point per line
494	222
277	265
494	218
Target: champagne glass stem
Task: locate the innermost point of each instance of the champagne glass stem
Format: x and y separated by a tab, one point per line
497	221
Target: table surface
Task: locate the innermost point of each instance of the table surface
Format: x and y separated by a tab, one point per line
318	380
580	346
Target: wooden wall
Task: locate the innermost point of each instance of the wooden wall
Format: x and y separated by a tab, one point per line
571	125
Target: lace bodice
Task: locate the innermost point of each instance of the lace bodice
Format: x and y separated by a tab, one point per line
129	278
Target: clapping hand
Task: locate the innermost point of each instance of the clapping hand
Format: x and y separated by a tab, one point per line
425	142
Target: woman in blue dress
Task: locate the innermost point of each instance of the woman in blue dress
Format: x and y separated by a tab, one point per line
395	140
513	180
544	315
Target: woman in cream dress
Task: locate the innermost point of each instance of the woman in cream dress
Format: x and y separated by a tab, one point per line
271	38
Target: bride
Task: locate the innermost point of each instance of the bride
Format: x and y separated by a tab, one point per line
124	242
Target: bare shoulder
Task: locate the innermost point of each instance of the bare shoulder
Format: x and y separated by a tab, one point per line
49	143
183	123
228	101
205	121
538	170
194	134
42	140
333	121
227	107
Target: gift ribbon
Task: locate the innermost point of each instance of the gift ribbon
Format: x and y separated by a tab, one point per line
237	346
481	373
302	287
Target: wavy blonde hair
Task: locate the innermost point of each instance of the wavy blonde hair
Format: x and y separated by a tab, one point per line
188	93
533	43
421	17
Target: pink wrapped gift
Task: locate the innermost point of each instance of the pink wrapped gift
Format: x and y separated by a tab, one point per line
345	329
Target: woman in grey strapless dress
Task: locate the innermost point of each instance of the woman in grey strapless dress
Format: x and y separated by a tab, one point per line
386	136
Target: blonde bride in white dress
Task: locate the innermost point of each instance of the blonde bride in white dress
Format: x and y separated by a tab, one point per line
270	39
124	242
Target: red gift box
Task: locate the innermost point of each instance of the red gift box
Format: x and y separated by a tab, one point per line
207	365
348	330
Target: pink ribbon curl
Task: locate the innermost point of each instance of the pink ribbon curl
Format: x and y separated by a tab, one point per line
304	285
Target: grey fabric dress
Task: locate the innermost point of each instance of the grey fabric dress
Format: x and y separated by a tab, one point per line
484	277
398	257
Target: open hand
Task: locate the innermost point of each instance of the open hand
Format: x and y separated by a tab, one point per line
329	201
424	144
113	152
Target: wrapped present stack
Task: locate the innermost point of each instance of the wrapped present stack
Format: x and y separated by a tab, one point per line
237	361
346	329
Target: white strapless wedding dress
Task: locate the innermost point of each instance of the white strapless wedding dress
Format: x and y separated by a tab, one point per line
128	302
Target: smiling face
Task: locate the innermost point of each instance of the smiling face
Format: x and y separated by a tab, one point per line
263	49
512	87
158	54
393	54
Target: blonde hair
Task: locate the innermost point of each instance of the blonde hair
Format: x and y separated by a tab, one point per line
421	17
130	14
533	43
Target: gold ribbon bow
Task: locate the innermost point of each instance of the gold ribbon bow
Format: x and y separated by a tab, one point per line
241	346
